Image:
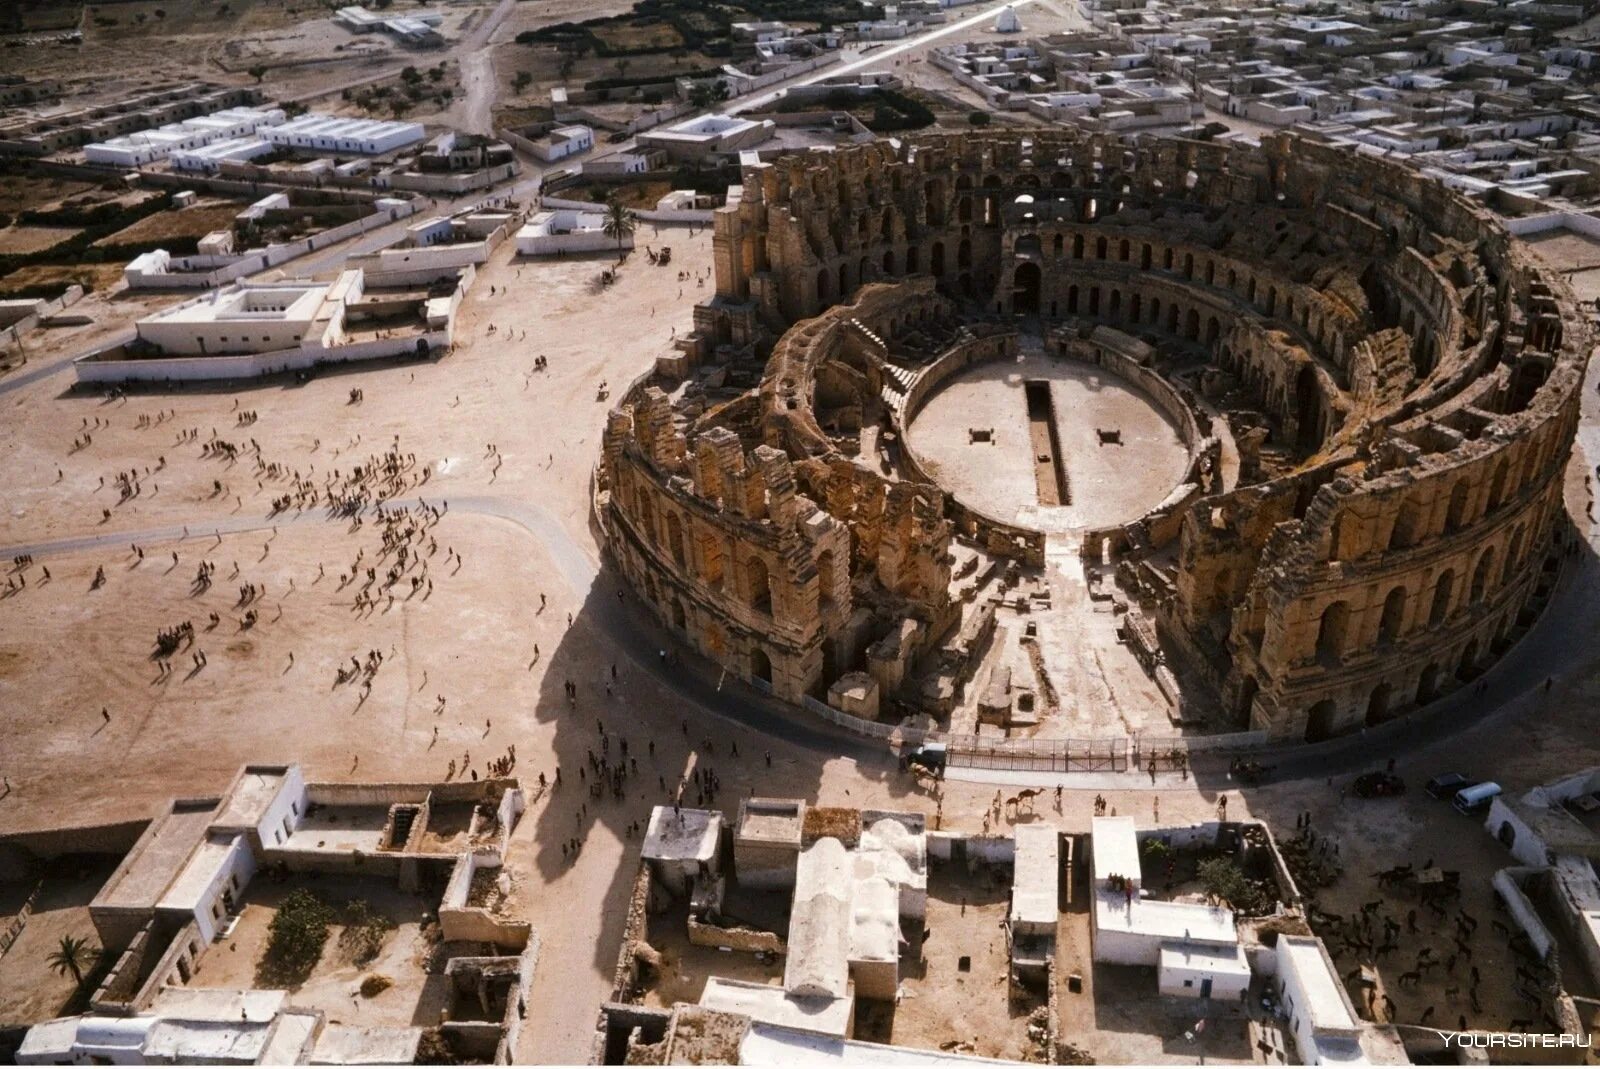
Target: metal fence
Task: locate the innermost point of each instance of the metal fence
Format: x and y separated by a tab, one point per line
1115	753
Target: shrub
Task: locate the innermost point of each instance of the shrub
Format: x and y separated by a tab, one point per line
979	118
295	938
1225	881
364	929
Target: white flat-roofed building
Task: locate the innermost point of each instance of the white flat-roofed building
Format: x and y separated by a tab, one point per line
1190	970
562	142
210	158
1036	886
1114	846
1324	1024
681	844
251	318
567	230
818	962
708	135
149	146
331	133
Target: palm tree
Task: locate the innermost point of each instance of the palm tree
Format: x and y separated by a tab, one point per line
619	222
73	955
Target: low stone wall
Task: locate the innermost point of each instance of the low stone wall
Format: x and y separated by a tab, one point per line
626	972
748	940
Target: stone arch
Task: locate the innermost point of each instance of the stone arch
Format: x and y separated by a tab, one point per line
827	577
1407	526
1248	689
1455	515
758	585
1393	618
1331	630
964	253
1513	556
675	540
1480	576
844	281
1443	588
1308	409
760	665
1028	282
822	286
1467	667
1497	485
679	619
888	261
1428	684
1378	704
936	260
1320	720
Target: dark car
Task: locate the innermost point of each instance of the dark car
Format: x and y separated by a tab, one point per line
1447	786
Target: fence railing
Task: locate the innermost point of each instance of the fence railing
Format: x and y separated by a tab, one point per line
1114	753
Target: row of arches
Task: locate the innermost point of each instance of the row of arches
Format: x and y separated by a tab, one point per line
1444	595
1385	700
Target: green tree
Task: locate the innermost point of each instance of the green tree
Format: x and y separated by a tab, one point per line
619	221
705	94
72	955
1223	880
295	937
522	80
979	118
258	71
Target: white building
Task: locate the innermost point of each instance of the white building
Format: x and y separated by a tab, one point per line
256	317
567	230
708	135
210	158
329	133
1321	1019
1193	947
148	146
562	142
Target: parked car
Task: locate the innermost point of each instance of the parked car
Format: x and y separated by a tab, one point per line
1476	799
1448	785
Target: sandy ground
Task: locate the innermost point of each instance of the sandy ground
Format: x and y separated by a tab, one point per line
1109	484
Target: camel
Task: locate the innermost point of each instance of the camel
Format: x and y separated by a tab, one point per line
1015	801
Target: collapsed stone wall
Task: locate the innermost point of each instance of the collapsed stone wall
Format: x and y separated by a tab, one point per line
1401	376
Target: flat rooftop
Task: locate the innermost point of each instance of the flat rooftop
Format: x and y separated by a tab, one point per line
146	874
250	798
1036	885
685	835
1115	848
771	820
1212	959
190	885
1178	921
768	1044
1326	1002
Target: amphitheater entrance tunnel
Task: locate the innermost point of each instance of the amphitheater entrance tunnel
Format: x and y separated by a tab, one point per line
1027	282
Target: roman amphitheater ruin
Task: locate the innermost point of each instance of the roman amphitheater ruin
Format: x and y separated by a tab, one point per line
1282	427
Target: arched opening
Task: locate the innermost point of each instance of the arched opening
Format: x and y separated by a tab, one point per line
1378	704
1513	552
1191	325
1394	615
679	620
1468	666
711	561
886	227
913	260
937	259
1319	721
1331	631
825	576
1480	575
1308	409
844	280
1247	699
1507	835
1428	685
1497	485
760	665
964	254
1407	526
1072	300
1456	514
1028	282
888	262
1442	590
675	539
822	286
758	587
